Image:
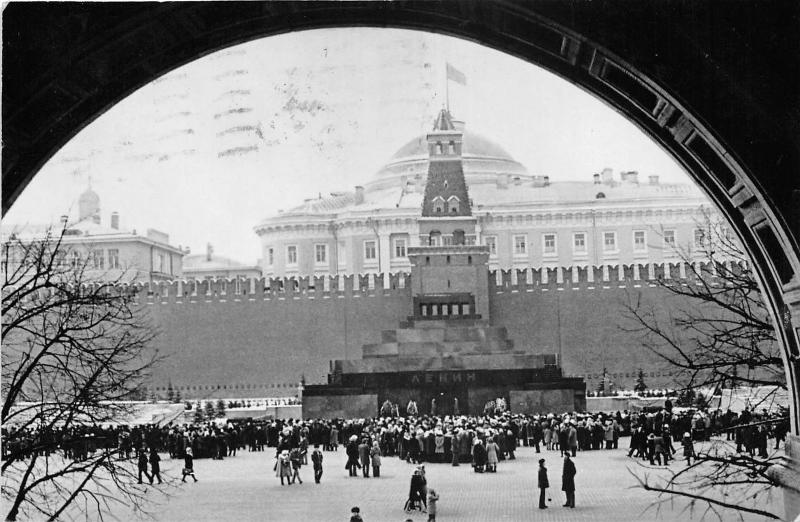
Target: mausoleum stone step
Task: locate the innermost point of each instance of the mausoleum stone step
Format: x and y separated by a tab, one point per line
445	323
444	333
438	363
431	348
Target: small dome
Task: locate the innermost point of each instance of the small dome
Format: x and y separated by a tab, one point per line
88	204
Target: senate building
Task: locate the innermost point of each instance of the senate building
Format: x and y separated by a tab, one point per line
525	220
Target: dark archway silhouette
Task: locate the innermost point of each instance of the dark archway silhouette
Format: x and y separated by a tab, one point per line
715	83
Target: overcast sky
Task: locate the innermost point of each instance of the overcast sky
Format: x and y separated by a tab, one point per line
210	149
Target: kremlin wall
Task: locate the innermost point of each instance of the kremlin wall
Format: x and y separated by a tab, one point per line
260	337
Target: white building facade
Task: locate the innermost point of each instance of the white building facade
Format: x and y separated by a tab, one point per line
527	221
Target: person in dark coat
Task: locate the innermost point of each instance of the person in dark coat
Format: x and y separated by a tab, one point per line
188	465
418	489
363	454
568	481
297	461
478	456
543	484
316	460
155	466
688	448
142	463
352	456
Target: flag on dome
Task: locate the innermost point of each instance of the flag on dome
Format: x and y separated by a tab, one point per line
456	75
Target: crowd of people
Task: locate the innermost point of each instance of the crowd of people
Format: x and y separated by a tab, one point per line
483	442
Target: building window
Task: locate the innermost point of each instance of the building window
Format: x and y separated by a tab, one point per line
549	244
491	242
321	254
520	245
370	251
438	204
609	241
270	256
579	243
699	238
291	255
161	263
399	248
452	204
98	259
639	241
113	258
669	239
75	260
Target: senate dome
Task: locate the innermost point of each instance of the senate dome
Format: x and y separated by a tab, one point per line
483	162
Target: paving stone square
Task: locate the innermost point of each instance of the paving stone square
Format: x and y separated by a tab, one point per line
245	488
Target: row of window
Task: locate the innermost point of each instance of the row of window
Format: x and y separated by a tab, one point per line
321	252
442	207
520	245
579	242
97	258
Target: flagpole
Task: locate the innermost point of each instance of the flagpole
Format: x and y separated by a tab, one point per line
447	89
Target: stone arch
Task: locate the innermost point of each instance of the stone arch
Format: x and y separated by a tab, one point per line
750	171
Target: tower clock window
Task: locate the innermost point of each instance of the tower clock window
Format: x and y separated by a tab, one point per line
453	204
438	204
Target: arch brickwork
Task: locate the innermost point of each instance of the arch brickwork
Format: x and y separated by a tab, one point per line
720	97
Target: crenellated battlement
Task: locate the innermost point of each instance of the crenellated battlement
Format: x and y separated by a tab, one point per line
528	279
280	288
600	277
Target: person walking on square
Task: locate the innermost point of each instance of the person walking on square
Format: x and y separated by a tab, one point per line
688	448
333	442
188	465
568	481
478	456
316	460
283	467
433	499
363	454
155	466
572	438
297	461
142	463
491	455
352	456
543	484
375	457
